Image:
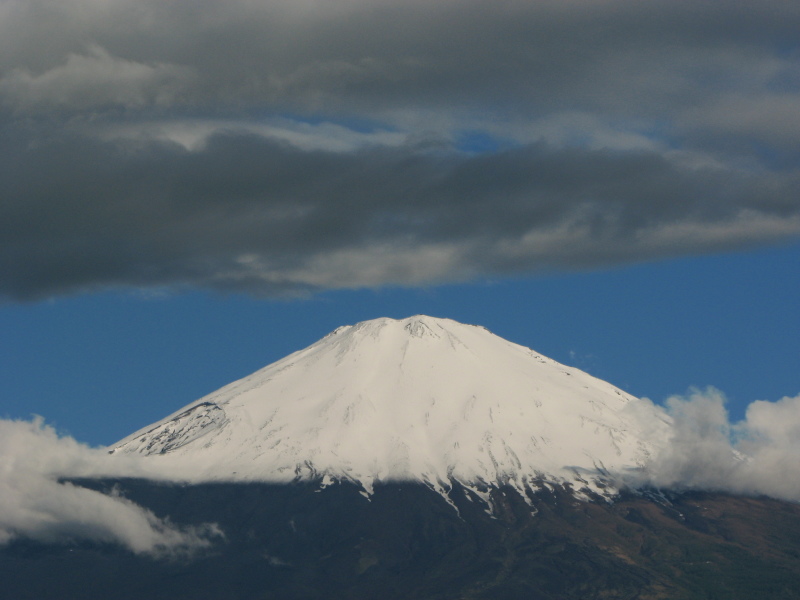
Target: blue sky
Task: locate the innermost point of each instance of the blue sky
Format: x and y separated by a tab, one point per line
193	190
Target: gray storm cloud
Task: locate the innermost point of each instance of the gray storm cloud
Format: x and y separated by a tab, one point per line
35	503
759	455
282	148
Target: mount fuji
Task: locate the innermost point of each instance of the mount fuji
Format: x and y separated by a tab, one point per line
420	399
415	459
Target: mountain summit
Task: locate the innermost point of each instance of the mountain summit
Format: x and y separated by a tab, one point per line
470	451
418	399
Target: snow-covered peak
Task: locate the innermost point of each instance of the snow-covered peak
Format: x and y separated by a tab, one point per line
422	399
418	326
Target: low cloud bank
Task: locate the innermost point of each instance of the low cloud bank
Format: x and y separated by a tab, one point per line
758	455
35	504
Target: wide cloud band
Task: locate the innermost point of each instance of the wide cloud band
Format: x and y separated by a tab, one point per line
284	148
254	214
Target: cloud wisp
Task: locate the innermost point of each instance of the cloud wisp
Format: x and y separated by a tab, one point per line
35	503
285	148
759	455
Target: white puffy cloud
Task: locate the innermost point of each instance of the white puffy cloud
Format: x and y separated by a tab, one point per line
36	503
758	455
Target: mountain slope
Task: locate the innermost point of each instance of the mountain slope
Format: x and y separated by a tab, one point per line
419	399
483	465
295	542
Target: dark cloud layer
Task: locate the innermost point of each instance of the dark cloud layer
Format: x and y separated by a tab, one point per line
281	148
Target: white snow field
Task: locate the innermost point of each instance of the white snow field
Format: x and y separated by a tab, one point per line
420	399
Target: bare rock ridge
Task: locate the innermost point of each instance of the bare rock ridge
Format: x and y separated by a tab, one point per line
419	399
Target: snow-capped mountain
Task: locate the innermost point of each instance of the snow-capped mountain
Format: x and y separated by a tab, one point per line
420	399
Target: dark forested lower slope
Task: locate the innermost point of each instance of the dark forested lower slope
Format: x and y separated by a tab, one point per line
406	542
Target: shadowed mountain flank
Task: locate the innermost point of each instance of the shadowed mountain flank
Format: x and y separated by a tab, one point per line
293	541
